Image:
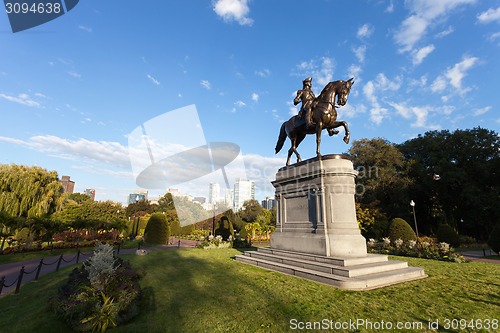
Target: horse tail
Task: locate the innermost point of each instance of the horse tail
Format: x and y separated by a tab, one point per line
281	138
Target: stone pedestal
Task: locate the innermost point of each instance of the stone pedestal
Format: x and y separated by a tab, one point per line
316	213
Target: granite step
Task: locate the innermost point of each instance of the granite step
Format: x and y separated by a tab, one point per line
347	271
360	282
351	261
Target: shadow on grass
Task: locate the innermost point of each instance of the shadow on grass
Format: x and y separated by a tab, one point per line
202	291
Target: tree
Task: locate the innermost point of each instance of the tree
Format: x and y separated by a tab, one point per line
141	208
79	197
157	230
29	191
166	203
383	178
250	210
456	179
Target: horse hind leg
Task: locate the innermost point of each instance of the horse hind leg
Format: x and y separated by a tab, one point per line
319	128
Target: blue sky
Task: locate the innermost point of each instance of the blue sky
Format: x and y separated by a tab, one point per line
73	89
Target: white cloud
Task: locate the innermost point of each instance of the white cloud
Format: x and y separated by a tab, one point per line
155	81
255	97
354	71
233	10
112	153
419	55
390	8
360	53
364	31
459	71
491	15
74	74
240	104
481	111
423	13
420	113
494	36
372	91
454	76
206	84
23	99
263	72
320	70
84	28
445	33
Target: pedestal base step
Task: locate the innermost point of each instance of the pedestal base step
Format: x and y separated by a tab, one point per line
364	273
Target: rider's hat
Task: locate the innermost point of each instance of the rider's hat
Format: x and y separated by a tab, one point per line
308	80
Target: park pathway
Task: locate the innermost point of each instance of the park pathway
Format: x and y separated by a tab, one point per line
12	271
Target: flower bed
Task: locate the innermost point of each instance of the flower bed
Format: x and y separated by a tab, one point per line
426	248
104	292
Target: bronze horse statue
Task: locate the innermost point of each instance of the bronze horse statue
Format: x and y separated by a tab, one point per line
324	116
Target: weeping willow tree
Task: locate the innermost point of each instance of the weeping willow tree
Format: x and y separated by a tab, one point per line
29	191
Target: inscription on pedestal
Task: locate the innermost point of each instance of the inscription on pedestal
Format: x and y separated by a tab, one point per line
297	209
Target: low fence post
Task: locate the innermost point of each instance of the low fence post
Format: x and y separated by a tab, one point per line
59	262
78	256
119	246
139	245
39	269
19	280
2	281
179	244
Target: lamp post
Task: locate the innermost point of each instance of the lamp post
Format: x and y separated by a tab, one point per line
412	204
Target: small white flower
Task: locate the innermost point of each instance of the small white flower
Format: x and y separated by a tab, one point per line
398	242
386	240
445	247
411	244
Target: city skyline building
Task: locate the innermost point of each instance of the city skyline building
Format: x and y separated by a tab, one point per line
213	193
90	192
244	190
68	184
138	195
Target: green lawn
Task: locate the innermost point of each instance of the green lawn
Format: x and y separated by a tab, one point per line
193	290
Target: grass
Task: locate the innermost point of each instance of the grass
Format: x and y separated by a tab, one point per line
193	290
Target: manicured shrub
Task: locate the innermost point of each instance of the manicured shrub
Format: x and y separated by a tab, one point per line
224	228
447	234
102	293
400	229
494	239
157	230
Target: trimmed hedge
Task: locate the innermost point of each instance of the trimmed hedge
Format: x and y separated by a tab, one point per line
447	234
157	230
400	229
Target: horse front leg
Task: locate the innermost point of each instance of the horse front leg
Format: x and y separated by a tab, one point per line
336	124
347	135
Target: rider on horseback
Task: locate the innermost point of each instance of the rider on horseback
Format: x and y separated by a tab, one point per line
307	97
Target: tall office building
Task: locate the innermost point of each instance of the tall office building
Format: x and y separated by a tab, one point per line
213	193
269	203
91	193
137	196
244	190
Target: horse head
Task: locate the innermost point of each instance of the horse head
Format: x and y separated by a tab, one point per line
343	92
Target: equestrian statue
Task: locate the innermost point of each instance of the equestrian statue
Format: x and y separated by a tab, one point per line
316	114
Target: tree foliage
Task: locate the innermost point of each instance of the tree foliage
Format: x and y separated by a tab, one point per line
250	210
29	191
456	179
400	229
383	175
157	230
